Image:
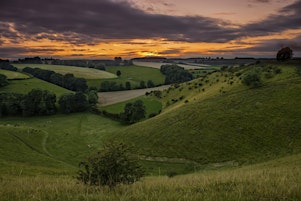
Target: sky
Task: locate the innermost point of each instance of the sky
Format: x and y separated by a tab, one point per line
104	29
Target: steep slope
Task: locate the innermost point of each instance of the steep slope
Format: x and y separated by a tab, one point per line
243	124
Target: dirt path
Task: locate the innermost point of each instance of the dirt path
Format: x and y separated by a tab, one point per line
109	98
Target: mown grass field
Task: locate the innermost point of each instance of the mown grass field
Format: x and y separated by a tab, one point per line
87	73
13	75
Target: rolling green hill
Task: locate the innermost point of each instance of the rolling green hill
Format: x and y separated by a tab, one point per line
214	124
226	121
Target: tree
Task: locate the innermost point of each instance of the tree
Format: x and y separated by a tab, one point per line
113	165
118	73
133	112
3	80
284	54
92	97
39	102
150	84
142	84
128	85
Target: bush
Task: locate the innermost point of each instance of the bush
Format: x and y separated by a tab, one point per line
113	165
252	78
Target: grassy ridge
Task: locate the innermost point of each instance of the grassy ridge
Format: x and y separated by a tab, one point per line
87	73
242	124
275	180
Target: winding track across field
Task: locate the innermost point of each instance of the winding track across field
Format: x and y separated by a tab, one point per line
109	98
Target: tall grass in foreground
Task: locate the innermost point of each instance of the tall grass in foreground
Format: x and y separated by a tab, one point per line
276	180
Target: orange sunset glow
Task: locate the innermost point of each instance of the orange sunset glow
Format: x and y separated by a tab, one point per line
148	28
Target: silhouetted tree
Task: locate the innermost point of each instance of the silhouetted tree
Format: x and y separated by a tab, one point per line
284	54
3	80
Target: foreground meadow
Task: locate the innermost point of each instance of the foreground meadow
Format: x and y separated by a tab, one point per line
275	180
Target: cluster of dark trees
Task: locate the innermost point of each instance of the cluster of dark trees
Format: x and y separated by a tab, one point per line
106	86
67	81
175	74
3	80
30	60
133	112
5	65
42	102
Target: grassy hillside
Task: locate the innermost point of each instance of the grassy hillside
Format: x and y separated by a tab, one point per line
87	73
13	75
51	141
226	121
275	180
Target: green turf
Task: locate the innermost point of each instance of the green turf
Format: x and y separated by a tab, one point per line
25	86
134	75
152	106
226	122
13	75
65	138
87	73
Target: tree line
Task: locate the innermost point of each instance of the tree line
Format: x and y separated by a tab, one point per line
106	86
42	102
67	81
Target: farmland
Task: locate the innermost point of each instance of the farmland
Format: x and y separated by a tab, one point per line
230	138
13	75
87	73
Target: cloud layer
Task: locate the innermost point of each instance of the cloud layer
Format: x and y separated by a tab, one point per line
92	21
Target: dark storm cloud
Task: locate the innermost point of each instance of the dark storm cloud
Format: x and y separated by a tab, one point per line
87	21
288	18
267	47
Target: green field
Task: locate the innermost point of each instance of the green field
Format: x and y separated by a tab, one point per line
152	106
237	142
87	73
13	75
25	86
132	74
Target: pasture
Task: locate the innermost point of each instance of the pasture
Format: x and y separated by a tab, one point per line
25	86
152	106
11	75
132	74
87	73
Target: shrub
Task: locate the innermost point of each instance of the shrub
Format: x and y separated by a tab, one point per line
113	165
252	78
